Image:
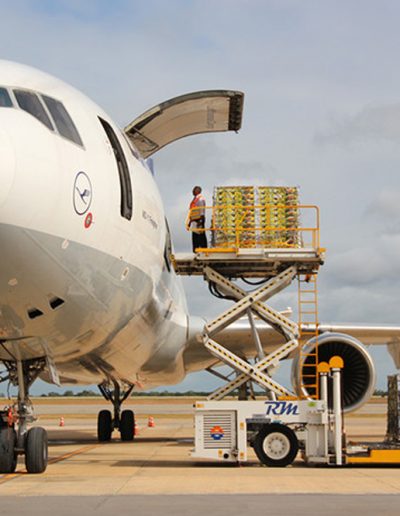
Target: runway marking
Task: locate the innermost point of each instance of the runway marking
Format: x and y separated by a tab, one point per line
65	456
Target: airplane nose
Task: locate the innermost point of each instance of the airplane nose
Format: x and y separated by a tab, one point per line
7	165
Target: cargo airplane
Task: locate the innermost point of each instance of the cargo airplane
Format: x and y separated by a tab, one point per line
88	294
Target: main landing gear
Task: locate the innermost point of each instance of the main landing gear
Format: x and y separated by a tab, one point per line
15	438
124	421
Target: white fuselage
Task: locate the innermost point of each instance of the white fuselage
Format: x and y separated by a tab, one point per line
77	278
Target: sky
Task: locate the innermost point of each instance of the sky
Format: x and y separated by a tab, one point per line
322	112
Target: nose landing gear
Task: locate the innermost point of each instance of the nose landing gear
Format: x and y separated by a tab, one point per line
123	421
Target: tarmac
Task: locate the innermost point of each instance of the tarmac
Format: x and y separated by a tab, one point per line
156	474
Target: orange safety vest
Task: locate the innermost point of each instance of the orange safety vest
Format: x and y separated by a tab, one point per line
195	214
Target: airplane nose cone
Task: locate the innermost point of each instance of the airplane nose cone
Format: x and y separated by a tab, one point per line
7	165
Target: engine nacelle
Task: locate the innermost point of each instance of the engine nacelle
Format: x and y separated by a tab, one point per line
358	376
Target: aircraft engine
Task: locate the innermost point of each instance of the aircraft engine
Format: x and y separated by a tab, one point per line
358	375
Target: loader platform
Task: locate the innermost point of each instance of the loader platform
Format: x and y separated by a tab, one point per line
249	263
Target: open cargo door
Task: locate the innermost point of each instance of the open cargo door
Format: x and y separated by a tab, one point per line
194	113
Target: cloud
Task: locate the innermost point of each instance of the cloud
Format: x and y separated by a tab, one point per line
386	209
371	124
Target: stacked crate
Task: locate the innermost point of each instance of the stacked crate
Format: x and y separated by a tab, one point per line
278	216
234	216
247	216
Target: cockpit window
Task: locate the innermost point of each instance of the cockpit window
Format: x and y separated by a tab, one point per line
63	121
5	100
30	102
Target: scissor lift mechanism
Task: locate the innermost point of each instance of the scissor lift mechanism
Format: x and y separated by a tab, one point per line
281	267
247	303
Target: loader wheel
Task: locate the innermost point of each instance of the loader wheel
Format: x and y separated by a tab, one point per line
36	450
8	457
276	445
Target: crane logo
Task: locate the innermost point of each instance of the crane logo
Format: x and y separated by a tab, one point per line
217	432
82	195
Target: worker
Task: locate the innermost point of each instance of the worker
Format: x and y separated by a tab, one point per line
197	219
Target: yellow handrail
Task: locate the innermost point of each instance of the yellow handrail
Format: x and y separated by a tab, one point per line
259	226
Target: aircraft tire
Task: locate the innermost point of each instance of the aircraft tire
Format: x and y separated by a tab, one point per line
8	457
276	445
36	450
127	425
104	426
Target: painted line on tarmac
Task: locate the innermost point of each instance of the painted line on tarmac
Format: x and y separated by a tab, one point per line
73	453
65	456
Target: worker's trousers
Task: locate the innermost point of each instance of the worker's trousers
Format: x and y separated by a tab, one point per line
199	239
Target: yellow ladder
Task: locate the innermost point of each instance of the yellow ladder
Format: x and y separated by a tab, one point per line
308	328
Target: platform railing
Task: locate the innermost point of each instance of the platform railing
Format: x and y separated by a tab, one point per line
234	227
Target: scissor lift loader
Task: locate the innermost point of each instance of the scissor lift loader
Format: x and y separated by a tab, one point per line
250	251
245	239
281	425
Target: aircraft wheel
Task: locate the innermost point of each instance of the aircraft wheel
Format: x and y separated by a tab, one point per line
36	450
104	426
276	445
8	457
127	425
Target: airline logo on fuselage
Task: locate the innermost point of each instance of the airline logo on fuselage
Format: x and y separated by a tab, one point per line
82	195
281	408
